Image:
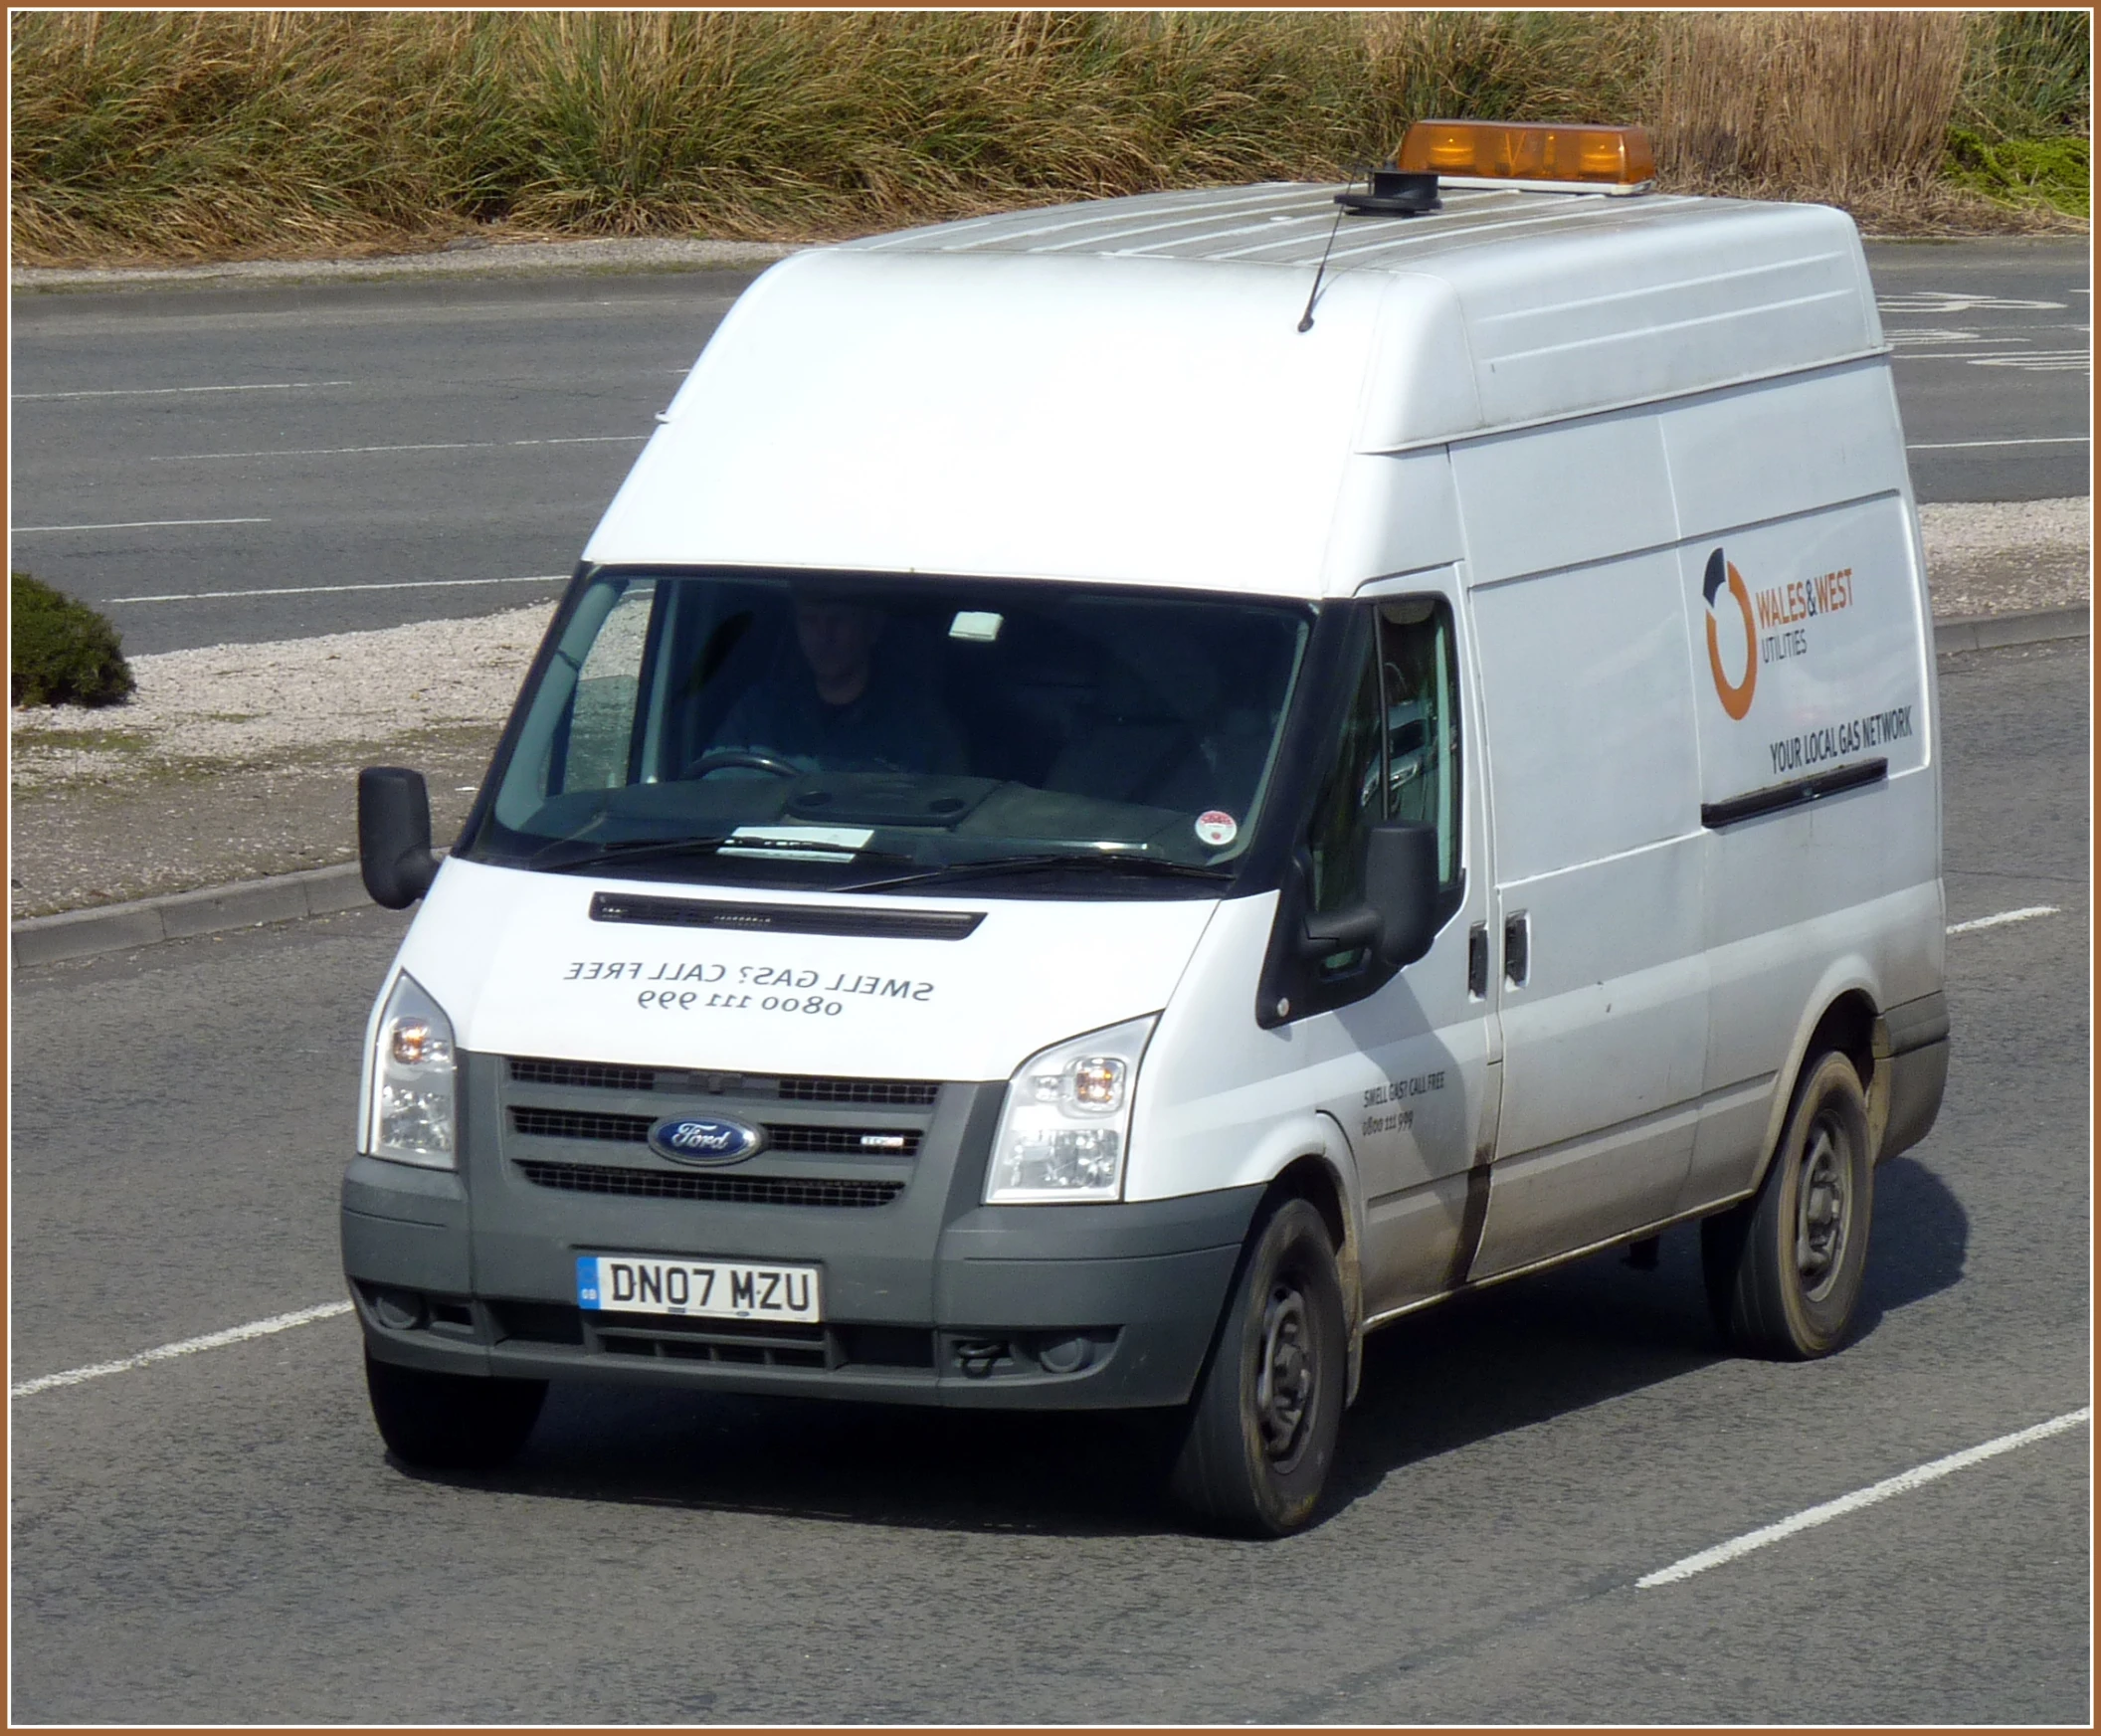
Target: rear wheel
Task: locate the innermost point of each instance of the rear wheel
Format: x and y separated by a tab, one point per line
450	1421
1261	1428
1783	1269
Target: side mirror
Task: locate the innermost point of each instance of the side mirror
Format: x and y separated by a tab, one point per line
1400	883
394	834
1398	918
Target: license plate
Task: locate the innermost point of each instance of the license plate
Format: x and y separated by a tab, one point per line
715	1290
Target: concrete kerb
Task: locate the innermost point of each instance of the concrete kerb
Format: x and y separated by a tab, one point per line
182	915
326	892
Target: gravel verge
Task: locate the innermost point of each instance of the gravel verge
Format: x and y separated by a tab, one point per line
2007	557
238	761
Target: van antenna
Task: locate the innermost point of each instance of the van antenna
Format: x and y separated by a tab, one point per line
1305	320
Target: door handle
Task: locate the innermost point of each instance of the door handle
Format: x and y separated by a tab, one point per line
1517	948
1478	961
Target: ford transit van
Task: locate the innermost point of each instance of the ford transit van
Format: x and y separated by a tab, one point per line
1127	793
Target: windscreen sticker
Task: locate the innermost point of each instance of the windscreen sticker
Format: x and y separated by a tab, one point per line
1216	828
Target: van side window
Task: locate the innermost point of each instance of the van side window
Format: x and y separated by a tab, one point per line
1418	670
1351	799
1398	757
597	739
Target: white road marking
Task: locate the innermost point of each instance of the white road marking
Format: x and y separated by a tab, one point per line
136	524
2042	361
1954	301
1963	444
2021	916
176	391
2057	359
319	590
73	1377
178	458
1901	1483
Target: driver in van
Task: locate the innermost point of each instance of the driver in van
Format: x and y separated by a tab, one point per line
839	706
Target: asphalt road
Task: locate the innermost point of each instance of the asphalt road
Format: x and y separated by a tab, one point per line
221	465
218	1537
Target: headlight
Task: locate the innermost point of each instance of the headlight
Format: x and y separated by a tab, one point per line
1067	1121
413	1119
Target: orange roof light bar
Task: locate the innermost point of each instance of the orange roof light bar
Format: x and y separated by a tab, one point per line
1611	159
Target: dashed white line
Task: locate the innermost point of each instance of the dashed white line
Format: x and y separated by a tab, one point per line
2003	916
136	524
177	391
321	590
178	458
1901	1483
73	1377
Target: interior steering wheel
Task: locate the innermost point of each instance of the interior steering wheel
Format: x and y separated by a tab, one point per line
720	759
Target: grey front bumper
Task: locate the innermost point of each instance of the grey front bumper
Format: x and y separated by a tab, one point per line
932	1298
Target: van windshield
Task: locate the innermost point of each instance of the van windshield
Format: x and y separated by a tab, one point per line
857	733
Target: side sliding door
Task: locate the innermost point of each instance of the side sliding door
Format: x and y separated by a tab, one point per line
1593	782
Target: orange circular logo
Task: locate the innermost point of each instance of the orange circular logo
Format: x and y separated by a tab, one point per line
1734	695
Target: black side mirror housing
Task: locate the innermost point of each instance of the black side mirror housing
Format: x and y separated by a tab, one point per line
1400	883
1398	918
393	854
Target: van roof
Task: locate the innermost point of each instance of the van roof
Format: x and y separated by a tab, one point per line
1121	389
1288	222
1557	290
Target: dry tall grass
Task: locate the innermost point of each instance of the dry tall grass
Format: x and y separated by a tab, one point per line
1838	101
197	134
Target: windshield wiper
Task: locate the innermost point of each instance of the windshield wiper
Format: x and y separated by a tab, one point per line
552	859
1108	862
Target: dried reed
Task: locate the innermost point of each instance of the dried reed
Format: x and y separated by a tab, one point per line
201	135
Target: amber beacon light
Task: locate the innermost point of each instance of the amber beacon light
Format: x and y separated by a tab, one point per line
1608	160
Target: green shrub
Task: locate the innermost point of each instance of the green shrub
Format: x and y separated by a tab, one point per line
64	653
2030	76
2023	172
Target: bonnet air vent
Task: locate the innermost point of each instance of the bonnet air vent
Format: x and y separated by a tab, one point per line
785	918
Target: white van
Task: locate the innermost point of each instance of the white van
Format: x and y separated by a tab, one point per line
1102	817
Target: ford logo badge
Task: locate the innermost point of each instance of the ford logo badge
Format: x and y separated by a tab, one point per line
692	1139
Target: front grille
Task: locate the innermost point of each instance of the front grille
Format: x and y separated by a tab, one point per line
790	1089
904	1094
580	1124
692	1339
591	1076
738	1190
540	1123
844	1141
696	1338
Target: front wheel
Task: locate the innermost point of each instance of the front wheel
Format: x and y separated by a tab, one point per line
1783	1269
450	1421
1262	1426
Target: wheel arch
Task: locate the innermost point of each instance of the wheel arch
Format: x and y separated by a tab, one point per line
1324	1176
1842	1016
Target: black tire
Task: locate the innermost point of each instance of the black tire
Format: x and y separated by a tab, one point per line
450	1421
1261	1430
1783	1269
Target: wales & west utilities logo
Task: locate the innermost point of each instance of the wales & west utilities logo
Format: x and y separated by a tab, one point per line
1734	695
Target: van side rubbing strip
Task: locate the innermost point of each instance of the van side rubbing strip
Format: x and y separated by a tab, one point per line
785	918
1714	815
